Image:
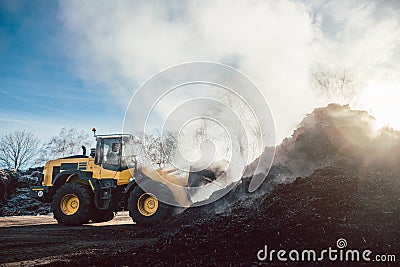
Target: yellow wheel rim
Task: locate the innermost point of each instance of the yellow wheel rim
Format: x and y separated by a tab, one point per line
147	204
69	204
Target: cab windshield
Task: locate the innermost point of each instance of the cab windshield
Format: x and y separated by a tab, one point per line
115	153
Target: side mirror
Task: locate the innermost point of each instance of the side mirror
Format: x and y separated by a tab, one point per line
135	171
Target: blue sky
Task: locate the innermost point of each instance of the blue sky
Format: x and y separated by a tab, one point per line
39	90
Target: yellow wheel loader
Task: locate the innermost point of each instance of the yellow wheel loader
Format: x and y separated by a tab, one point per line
85	189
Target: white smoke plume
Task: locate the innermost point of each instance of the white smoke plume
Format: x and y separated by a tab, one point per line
119	44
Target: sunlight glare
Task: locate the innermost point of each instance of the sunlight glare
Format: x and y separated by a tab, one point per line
382	100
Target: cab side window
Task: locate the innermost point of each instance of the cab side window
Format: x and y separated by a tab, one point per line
106	151
112	153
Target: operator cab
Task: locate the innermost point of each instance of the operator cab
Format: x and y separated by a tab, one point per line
113	152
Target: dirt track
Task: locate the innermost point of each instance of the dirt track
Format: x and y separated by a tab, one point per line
38	240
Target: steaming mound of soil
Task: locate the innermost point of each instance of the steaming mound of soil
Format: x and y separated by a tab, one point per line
335	136
361	206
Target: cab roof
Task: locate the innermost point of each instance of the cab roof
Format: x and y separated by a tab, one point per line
104	136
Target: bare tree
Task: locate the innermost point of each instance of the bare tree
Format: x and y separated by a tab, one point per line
158	148
208	130
18	149
249	123
337	86
68	142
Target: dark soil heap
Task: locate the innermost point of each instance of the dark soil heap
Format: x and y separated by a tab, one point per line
3	186
361	206
16	199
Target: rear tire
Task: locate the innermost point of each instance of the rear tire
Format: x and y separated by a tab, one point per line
73	204
146	208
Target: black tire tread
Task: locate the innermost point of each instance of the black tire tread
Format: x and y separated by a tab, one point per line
164	210
86	206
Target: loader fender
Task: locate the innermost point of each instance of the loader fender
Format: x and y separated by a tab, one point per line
66	176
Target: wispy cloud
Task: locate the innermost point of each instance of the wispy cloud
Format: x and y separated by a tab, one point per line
8	120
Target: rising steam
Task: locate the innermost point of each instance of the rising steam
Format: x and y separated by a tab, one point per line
276	43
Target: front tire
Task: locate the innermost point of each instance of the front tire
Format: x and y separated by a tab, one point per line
146	208
73	204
